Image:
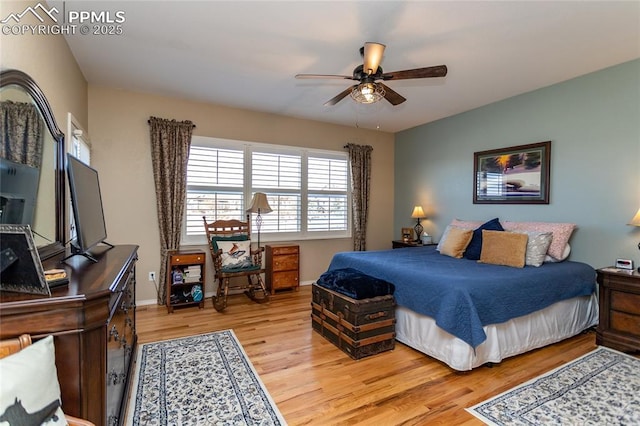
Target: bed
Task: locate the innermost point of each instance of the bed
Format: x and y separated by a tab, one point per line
466	313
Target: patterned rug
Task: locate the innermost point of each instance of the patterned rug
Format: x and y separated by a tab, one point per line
199	380
599	388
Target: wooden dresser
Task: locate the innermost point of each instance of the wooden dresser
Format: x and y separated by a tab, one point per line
93	322
282	267
619	325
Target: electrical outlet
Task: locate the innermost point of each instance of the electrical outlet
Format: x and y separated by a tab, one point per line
152	276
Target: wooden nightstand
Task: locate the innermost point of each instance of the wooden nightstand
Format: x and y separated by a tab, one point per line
282	267
399	244
185	270
619	302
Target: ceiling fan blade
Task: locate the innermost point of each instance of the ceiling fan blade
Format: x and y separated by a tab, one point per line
341	77
339	96
372	56
392	96
427	72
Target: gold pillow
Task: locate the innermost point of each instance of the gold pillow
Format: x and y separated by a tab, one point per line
456	242
503	248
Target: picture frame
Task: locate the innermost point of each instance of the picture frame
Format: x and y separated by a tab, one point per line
407	234
20	267
513	175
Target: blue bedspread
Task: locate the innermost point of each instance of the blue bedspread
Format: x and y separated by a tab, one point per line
463	295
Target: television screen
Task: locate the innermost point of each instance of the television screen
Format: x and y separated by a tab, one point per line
86	201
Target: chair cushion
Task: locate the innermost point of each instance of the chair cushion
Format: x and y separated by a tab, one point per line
29	389
355	284
236	254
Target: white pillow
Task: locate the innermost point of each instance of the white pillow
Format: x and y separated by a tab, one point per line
236	254
537	246
565	254
29	389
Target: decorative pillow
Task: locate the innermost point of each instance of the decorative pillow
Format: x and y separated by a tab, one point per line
214	240
456	242
29	390
475	246
236	254
537	246
503	248
453	224
355	284
561	234
565	254
466	224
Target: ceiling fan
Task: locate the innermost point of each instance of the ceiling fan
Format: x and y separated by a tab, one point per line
370	90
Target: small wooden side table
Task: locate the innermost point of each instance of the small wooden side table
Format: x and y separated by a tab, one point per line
619	325
400	244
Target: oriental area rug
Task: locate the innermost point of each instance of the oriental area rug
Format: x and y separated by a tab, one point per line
199	380
599	388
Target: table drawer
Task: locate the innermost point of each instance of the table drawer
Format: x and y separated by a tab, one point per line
285	279
625	302
277	251
285	263
185	259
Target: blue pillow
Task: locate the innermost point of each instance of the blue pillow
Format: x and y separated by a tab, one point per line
475	246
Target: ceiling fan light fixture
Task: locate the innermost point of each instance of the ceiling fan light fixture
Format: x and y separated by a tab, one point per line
367	93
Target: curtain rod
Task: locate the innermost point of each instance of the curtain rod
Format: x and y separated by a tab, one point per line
149	122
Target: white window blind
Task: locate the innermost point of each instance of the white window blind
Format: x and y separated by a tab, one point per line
307	190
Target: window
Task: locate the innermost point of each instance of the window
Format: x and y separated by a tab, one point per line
308	190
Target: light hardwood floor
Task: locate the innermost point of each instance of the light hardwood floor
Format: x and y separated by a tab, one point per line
314	383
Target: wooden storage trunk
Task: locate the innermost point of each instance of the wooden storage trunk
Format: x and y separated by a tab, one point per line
358	327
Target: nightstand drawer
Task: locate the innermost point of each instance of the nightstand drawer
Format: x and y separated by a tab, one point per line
626	323
185	259
626	302
285	263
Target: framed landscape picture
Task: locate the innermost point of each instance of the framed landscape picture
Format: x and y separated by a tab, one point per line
514	175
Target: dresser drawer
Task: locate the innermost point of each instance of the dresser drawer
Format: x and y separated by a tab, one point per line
285	263
285	279
625	323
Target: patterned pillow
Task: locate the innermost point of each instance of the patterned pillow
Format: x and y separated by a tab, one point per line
475	246
29	389
537	246
561	234
503	248
456	242
236	254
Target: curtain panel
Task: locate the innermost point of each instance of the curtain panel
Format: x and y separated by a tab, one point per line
170	143
360	168
21	133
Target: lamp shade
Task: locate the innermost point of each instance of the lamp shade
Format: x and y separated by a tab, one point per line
635	221
418	213
259	204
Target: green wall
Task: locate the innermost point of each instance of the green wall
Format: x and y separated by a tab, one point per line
593	122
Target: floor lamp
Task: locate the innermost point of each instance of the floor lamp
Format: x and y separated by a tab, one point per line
635	221
259	205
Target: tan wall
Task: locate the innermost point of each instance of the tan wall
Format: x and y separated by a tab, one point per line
121	153
48	60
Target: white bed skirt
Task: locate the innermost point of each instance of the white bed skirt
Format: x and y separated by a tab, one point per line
552	324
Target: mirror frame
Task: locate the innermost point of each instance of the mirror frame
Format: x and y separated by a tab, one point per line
23	80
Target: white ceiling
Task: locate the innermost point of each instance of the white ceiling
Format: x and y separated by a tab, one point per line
245	54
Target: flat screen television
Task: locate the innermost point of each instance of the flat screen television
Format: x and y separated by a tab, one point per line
86	203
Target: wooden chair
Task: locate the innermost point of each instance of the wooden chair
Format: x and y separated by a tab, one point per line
234	230
11	346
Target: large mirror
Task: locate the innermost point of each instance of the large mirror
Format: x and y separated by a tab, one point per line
32	183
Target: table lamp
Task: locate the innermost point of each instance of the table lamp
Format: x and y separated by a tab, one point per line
259	205
418	214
